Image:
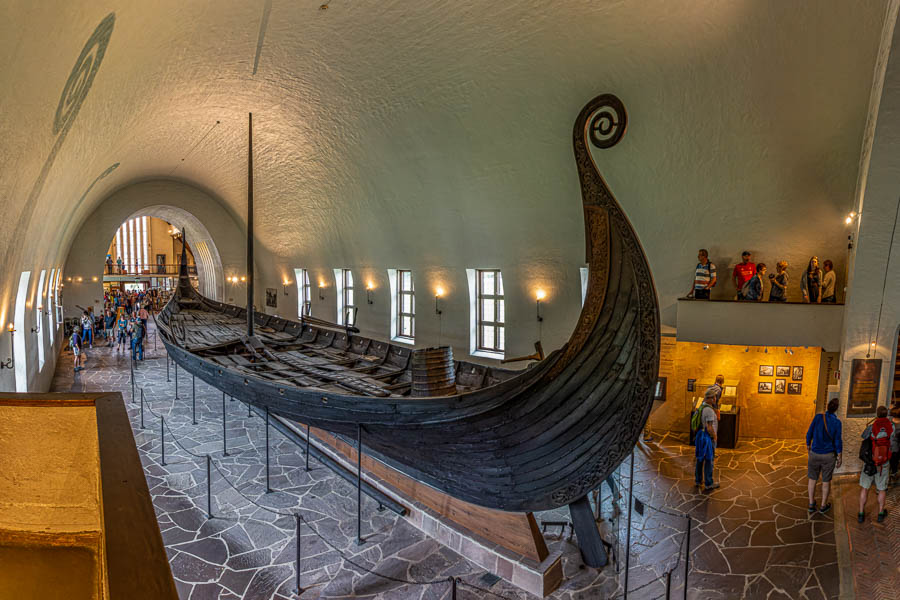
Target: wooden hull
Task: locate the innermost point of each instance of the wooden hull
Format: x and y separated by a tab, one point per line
539	440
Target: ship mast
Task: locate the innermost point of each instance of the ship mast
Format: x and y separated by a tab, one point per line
250	231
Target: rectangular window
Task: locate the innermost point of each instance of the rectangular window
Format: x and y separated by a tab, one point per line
346	313
406	305
304	303
490	310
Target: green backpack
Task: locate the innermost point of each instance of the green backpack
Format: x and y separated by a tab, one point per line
696	419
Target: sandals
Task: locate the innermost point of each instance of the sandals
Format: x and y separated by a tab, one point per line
825	508
812	508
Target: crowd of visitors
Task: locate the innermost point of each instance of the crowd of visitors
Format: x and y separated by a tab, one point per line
817	285
123	325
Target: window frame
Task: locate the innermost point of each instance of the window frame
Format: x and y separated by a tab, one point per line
481	324
305	293
345	297
401	292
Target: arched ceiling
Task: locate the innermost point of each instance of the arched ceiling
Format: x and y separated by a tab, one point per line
452	119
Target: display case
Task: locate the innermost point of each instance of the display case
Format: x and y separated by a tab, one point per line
729	411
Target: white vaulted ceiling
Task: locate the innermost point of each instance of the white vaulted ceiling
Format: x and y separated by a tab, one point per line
442	130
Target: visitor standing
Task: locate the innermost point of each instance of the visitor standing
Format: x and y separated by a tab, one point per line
119	264
825	447
706	440
137	340
109	324
811	281
144	316
753	289
109	265
829	280
123	329
87	328
779	280
742	272
704	276
876	455
75	344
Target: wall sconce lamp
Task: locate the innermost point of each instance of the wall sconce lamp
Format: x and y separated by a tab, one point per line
38	328
321	287
243	278
539	295
9	362
438	294
68	279
80	279
369	287
94	278
285	284
850	218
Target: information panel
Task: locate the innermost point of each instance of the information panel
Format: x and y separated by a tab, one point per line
865	381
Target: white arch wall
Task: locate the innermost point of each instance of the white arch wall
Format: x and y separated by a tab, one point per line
209	228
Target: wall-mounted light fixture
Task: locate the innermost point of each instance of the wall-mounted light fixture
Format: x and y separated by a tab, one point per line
38	328
94	278
438	294
9	362
68	279
849	219
706	346
321	287
285	284
539	295
80	279
243	278
369	287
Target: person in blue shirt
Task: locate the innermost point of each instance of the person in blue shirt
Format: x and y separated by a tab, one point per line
754	288
825	446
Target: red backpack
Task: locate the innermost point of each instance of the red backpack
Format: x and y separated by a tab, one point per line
881	446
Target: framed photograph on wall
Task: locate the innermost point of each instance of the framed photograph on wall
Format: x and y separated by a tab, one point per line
764	387
659	393
779	386
797	374
795	388
272	297
784	371
766	370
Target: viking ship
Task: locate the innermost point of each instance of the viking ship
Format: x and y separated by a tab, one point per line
513	440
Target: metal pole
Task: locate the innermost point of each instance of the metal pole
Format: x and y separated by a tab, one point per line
307	447
175	364
224	431
359	540
250	227
249	414
142	408
628	531
268	488
132	377
687	557
194	398
167	367
297	589
208	488
668	584
162	438
453	588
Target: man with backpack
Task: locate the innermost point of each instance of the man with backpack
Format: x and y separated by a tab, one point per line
705	422
137	340
825	446
742	273
754	287
876	455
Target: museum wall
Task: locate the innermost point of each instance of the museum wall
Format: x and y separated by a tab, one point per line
444	142
762	415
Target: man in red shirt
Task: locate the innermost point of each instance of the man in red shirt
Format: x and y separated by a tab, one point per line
743	272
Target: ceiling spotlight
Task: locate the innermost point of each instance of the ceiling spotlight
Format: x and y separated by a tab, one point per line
792	351
706	346
766	350
747	349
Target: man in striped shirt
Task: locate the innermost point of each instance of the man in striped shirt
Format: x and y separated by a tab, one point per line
704	277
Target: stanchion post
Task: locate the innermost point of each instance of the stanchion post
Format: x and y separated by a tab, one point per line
297	589
687	556
224	430
268	488
175	365
162	438
142	408
453	588
668	584
194	398
307	447
628	530
132	377
359	540
249	414
167	367
208	487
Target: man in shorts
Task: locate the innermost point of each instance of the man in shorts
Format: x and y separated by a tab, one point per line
825	446
880	432
75	343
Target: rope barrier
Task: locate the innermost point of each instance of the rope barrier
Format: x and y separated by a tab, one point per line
444	580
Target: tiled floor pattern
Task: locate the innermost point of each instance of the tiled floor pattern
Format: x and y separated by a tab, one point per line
874	547
751	539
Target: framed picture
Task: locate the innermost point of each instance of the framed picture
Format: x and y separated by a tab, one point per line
765	387
783	371
659	393
795	388
766	370
779	386
797	374
865	381
272	297
690	384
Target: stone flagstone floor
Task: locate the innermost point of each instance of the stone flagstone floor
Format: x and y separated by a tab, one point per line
751	539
